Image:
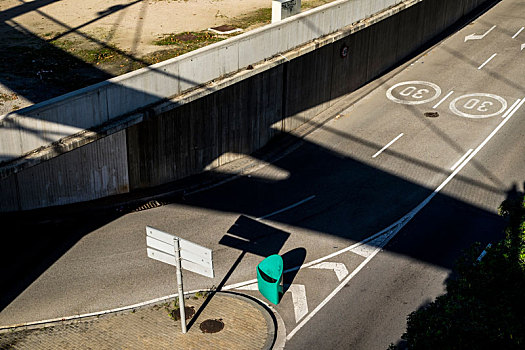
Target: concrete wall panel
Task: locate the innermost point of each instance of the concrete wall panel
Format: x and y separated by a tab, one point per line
434	12
307	91
10	141
382	50
454	11
350	73
409	39
9	194
211	131
93	171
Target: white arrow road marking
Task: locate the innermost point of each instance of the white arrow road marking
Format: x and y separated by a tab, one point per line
522	47
298	291
477	36
339	268
300	306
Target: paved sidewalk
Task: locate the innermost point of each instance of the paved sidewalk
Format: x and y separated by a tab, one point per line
247	325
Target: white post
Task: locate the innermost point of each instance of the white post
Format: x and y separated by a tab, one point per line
179	283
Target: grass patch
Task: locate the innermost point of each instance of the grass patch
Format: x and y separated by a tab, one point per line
257	18
187	39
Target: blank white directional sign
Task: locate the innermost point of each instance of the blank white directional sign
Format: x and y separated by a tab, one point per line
194	257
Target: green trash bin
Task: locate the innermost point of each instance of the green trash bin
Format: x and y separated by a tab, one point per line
270	278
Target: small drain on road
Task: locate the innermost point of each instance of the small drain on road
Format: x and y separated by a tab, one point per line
212	326
189	312
431	114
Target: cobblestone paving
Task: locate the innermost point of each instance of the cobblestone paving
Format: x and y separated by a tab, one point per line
245	327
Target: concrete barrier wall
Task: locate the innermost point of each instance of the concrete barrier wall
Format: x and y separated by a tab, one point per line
237	120
41	124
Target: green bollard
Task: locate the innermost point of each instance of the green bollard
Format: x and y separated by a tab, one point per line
270	278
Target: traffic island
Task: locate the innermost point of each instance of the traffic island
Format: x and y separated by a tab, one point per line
228	321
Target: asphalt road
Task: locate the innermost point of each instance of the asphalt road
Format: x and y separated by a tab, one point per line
317	201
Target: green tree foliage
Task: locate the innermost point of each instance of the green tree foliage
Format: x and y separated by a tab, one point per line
484	307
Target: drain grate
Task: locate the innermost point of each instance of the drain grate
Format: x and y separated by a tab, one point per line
212	326
150	205
431	114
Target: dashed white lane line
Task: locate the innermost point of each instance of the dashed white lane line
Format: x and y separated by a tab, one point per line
287	208
518	33
487	61
395	228
511	108
387	145
443	99
461	159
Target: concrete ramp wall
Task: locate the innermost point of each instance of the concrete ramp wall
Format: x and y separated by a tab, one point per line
235	116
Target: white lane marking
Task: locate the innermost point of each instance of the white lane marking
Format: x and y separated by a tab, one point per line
400	224
443	99
387	145
365	250
477	36
487	61
461	159
253	286
511	108
300	305
339	268
518	33
287	208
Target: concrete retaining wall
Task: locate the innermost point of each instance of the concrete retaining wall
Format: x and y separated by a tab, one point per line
235	120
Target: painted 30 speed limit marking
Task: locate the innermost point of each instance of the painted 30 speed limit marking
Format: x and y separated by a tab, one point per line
478	105
413	92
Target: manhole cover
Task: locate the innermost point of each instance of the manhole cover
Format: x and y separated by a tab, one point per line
212	326
224	28
189	312
431	114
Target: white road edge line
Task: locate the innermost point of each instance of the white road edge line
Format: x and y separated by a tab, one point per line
287	208
461	159
511	108
518	33
401	223
487	61
443	100
387	145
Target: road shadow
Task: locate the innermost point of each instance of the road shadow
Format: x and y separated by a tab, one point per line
292	261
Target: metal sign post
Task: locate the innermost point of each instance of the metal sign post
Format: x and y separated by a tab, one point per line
176	245
176	251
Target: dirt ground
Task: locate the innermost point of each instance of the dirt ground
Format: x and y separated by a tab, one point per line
50	47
